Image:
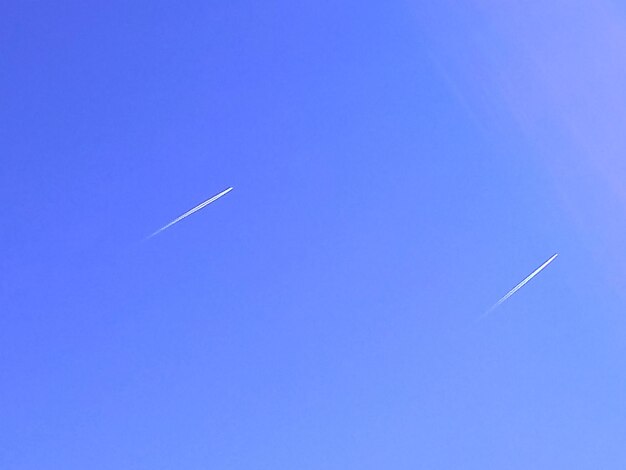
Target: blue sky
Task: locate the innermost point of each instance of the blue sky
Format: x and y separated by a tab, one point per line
398	167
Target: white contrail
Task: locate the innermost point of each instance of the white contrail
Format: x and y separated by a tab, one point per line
191	211
521	284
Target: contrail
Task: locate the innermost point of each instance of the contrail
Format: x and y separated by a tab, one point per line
191	211
520	285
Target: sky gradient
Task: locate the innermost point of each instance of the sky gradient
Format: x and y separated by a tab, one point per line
397	168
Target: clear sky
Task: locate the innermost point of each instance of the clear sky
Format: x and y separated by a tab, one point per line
398	166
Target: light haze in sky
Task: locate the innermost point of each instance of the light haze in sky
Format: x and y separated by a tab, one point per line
399	165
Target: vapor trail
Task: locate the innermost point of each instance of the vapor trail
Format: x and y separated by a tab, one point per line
191	211
520	285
